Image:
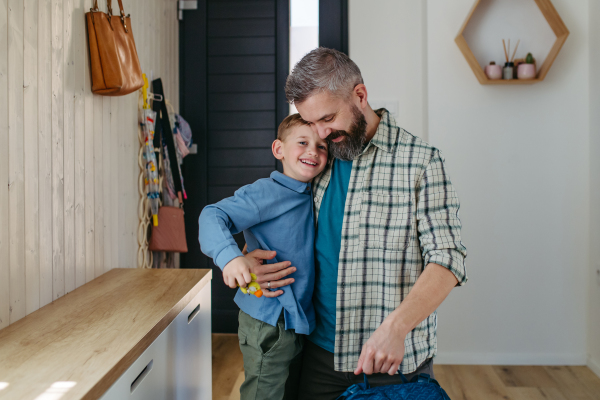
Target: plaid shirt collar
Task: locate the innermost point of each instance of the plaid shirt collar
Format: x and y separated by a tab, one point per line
386	136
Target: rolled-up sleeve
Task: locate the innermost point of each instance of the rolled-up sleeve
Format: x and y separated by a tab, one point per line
219	222
438	221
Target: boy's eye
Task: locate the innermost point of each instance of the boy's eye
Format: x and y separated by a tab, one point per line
323	147
302	142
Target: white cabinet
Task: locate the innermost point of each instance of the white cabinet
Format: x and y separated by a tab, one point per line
178	364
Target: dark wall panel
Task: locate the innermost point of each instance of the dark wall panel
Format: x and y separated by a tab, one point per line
241	83
241	120
248	27
241	64
333	24
240	139
241	9
241	158
234	62
241	46
241	102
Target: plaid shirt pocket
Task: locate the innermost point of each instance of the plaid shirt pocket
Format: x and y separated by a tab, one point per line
386	221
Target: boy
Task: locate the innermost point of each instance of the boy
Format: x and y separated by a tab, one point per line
273	213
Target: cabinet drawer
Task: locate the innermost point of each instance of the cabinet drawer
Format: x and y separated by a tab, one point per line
147	377
178	364
190	342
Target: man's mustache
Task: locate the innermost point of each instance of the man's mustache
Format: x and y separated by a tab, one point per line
336	134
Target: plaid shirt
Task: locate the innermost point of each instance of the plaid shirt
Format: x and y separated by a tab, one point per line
401	214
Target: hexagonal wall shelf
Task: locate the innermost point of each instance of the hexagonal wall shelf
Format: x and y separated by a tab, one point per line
557	26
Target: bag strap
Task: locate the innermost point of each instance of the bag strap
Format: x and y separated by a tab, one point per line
404	380
167	134
110	12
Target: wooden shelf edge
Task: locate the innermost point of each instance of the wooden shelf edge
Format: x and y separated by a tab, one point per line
512	82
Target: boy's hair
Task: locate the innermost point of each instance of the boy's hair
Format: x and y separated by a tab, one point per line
287	124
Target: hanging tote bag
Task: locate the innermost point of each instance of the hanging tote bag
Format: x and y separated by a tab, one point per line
115	66
169	235
420	387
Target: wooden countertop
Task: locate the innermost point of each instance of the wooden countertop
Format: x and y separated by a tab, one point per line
93	334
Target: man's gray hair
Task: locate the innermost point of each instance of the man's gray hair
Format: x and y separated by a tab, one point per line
321	70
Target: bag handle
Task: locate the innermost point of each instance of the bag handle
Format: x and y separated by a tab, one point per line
110	12
109	6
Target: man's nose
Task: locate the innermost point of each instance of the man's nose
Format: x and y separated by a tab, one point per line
323	132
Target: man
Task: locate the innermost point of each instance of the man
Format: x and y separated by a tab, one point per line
388	248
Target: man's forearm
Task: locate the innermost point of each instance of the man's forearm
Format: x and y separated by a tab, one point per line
429	291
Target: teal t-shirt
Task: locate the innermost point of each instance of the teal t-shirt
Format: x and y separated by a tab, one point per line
327	253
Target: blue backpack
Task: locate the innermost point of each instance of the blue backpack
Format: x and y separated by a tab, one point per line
420	387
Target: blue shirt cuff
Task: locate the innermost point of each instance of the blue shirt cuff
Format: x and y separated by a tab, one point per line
226	255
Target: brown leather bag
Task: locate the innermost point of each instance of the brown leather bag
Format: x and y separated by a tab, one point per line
114	60
169	235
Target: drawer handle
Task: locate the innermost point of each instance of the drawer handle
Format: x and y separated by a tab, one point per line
194	313
136	382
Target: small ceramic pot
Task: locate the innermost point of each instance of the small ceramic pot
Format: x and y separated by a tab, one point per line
526	71
493	71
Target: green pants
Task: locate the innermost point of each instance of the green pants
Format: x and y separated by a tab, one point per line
270	352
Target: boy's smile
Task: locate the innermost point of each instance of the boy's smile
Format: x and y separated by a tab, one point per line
303	153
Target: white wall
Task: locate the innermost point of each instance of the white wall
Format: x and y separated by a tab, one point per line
519	158
594	272
386	42
70	210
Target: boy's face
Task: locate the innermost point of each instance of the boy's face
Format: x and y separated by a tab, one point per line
303	153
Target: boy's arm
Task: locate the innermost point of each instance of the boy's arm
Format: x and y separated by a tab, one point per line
219	222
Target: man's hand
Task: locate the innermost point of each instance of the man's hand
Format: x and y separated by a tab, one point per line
237	272
383	352
266	273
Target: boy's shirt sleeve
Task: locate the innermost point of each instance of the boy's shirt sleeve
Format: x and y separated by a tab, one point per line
219	222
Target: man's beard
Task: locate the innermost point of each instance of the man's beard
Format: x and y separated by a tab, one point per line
354	139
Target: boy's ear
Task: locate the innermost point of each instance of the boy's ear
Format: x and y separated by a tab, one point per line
277	148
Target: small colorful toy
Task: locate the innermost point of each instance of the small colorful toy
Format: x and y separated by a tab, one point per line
253	287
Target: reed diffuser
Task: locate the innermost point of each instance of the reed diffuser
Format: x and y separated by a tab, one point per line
508	70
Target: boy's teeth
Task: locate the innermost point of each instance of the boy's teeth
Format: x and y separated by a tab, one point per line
308	162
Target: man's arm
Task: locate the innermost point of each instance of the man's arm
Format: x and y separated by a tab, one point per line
443	256
384	350
265	273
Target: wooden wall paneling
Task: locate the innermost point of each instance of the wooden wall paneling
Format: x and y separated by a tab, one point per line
16	189
69	144
125	211
166	39
4	232
158	33
70	158
98	189
145	34
115	181
79	66
30	125
106	180
45	148
169	23
58	193
90	260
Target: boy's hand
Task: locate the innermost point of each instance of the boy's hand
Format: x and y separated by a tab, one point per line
237	271
273	273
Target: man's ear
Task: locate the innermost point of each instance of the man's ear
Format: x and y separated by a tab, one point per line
277	148
360	93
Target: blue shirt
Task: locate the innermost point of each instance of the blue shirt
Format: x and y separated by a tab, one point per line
274	213
327	254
